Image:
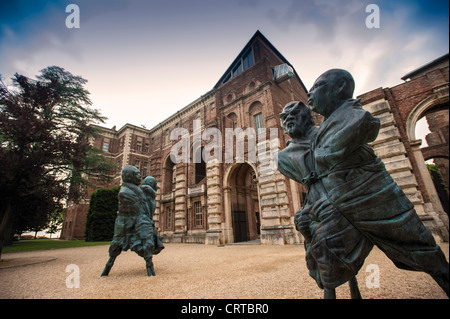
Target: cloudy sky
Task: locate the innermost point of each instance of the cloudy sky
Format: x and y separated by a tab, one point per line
146	59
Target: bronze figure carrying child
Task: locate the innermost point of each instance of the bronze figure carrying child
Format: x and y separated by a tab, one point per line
352	202
134	228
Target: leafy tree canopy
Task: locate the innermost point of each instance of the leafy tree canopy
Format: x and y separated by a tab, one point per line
45	151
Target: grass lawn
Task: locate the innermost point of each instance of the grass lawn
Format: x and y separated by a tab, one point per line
45	244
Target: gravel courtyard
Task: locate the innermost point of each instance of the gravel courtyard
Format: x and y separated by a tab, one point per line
199	271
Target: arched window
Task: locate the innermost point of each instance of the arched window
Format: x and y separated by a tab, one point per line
255	107
168	180
232	117
200	167
256	114
258	122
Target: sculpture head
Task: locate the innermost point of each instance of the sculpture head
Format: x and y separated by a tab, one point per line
330	91
297	119
150	181
131	174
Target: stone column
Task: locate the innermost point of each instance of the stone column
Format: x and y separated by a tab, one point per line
227	226
276	223
180	205
157	213
389	148
434	208
127	148
214	204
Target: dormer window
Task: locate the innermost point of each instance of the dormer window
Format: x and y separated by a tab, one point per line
246	61
237	69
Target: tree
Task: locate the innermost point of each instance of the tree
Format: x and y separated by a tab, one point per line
102	214
55	222
45	151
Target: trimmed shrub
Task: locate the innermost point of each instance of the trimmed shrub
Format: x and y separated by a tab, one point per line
102	214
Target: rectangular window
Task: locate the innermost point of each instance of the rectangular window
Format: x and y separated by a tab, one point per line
258	122
168	217
139	142
248	60
147	148
227	78
167	137
237	69
198	214
105	147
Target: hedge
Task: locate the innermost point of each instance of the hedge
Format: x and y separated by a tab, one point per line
102	214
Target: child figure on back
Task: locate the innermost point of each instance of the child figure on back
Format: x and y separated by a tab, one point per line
149	186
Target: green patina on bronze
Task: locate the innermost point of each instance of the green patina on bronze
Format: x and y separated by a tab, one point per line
134	227
352	202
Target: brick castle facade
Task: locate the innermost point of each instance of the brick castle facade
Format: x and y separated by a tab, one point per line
220	202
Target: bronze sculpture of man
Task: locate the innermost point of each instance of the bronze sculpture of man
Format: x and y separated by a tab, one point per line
352	202
134	227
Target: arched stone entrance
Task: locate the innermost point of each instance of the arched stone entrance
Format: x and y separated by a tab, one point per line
399	108
242	213
435	150
433	107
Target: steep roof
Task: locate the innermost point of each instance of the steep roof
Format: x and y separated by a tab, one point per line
257	35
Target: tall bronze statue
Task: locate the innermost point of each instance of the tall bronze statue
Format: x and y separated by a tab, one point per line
352	202
134	227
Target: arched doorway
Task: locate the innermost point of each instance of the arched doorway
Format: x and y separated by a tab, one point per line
243	202
435	111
